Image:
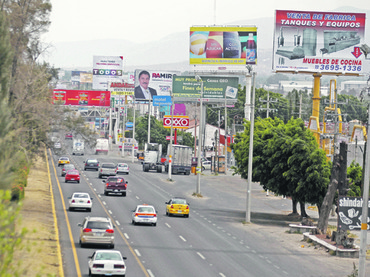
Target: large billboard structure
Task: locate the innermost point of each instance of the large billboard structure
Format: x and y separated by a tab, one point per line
215	88
149	83
223	45
81	98
320	42
106	69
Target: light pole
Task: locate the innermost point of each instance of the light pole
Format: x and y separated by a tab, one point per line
199	166
170	154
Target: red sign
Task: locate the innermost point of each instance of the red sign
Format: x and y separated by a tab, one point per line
81	97
179	121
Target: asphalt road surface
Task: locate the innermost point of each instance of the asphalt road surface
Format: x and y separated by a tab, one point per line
213	241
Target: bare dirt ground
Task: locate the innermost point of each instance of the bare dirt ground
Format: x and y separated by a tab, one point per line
39	252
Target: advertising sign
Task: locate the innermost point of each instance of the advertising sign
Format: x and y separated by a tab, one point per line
179	121
318	42
213	87
164	100
119	88
149	83
86	77
350	212
223	45
106	69
81	98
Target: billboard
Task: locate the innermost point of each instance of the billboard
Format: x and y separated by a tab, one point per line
213	87
223	45
350	212
318	42
149	83
81	98
86	77
105	69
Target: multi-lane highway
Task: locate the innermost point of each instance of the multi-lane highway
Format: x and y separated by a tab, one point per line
211	242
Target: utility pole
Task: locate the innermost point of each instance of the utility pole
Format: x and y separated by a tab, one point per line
268	101
199	166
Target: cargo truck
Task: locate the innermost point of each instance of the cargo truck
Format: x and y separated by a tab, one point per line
152	157
78	147
102	146
181	159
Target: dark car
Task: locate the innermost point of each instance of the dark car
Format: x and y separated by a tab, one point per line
91	164
116	185
65	168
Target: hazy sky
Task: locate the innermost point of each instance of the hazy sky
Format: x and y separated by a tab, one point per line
148	20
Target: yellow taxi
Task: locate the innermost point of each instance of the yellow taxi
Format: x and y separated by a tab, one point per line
63	161
177	206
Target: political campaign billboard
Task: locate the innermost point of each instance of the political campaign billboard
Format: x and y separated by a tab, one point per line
321	42
149	83
217	45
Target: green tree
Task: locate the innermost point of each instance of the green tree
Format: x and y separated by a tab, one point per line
286	160
354	175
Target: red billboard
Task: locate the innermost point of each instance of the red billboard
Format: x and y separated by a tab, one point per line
81	97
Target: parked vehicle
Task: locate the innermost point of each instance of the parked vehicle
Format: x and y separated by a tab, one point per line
102	146
96	230
152	157
91	164
181	159
116	185
68	136
78	147
107	263
107	169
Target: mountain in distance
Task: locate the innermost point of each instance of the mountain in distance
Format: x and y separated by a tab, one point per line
169	53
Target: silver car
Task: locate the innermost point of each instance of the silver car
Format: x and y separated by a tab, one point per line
123	168
97	230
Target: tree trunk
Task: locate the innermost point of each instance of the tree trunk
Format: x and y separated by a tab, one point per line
294	203
303	209
329	197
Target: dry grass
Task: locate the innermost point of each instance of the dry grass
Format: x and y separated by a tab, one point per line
38	255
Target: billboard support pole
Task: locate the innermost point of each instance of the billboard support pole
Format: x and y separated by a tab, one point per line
133	135
365	197
225	135
170	154
199	165
149	119
251	133
110	125
247	105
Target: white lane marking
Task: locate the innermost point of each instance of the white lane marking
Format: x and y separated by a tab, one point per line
221	274
104	203
200	255
109	211
278	267
118	223
168	225
126	236
181	237
150	273
137	252
99	195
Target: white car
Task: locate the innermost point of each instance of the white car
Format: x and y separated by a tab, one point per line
123	168
206	165
145	214
107	263
80	200
57	145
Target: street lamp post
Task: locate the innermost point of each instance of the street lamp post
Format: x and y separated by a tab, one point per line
199	165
